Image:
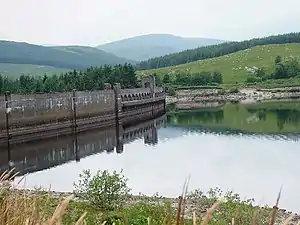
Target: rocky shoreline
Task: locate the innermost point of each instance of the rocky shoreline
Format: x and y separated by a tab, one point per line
204	98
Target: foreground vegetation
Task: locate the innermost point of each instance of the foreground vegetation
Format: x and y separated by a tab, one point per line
101	200
236	68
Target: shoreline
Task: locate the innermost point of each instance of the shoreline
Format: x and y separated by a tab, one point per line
209	98
191	205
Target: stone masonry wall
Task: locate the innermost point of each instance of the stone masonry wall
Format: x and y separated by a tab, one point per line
37	109
31	116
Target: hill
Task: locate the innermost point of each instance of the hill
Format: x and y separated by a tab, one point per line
15	70
69	57
234	67
216	51
148	46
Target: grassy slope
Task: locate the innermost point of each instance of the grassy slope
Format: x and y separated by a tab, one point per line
15	70
232	66
76	49
89	54
66	57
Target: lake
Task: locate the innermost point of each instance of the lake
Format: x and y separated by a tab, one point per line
251	149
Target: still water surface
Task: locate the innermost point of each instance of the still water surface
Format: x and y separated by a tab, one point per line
250	149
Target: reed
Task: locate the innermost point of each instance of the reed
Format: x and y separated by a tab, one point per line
26	208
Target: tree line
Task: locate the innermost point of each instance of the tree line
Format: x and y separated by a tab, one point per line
191	79
92	78
283	69
215	51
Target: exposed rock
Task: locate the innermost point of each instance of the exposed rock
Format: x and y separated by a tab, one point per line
200	97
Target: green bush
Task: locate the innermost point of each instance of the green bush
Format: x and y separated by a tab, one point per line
234	90
232	206
196	87
139	213
171	91
104	190
221	92
253	80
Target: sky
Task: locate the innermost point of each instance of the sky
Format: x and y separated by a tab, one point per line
94	22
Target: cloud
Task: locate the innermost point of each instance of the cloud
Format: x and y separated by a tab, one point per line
92	22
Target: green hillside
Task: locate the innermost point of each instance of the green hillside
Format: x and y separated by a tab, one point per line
69	57
15	70
79	50
217	50
234	66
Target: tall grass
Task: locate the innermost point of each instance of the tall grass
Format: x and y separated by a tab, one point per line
27	208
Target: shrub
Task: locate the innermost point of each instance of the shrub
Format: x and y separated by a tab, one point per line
140	212
217	77
232	206
104	190
171	91
196	87
221	92
234	90
253	80
166	79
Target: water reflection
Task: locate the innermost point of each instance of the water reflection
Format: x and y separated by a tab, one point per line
237	147
249	166
36	156
266	118
283	116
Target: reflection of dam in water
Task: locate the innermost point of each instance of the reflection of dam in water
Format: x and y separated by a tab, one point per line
36	156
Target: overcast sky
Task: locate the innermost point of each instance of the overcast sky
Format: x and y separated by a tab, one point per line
93	22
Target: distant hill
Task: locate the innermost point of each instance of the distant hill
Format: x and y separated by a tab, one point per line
215	51
68	57
234	67
148	46
15	70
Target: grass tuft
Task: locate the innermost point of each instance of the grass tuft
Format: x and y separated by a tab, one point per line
28	208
